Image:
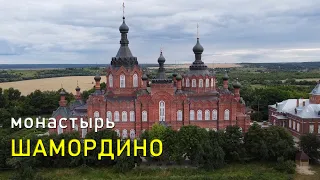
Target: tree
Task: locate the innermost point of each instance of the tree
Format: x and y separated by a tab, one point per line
233	144
191	140
270	143
310	144
255	145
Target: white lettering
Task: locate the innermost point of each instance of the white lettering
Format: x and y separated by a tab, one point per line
73	122
30	123
41	121
60	123
15	123
52	123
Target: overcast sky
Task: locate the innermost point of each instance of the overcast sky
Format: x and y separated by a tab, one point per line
87	31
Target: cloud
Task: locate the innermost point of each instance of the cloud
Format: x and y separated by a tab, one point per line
83	31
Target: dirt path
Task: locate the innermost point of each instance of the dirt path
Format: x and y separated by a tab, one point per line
305	170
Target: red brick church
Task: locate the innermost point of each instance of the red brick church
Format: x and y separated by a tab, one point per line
135	102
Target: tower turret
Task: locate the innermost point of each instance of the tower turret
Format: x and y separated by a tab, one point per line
124	56
225	80
63	102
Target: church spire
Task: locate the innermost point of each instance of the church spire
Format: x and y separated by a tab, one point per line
198	49
124	56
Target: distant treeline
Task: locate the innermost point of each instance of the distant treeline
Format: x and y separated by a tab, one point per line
285	66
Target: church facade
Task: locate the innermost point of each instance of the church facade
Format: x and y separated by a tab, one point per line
135	102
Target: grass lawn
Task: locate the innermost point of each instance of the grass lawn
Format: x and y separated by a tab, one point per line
250	171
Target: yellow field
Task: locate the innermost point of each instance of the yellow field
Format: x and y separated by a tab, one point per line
68	83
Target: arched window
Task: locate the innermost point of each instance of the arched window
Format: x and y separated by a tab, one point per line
132	134
110	80
199	115
212	81
144	116
162	109
124	134
116	116
201	83
214	114
207	83
60	130
191	115
194	83
122	81
109	115
187	82
132	117
226	114
207	115
118	132
179	115
135	80
84	132
96	114
76	127
124	116
182	82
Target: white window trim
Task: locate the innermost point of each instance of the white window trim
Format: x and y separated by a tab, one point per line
124	134
96	114
122	79
110	80
135	80
144	116
132	116
227	115
116	116
187	82
162	108
199	115
132	134
109	115
179	115
207	83
207	115
191	114
200	83
214	115
194	83
124	116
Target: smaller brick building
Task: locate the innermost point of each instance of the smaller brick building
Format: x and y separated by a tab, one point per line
299	116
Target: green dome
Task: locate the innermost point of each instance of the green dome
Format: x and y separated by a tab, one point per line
179	77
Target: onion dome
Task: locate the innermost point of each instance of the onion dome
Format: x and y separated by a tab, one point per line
236	84
179	77
161	59
174	74
198	49
225	77
77	88
97	77
124	28
144	77
62	92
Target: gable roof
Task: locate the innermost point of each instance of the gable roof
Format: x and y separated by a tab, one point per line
316	90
